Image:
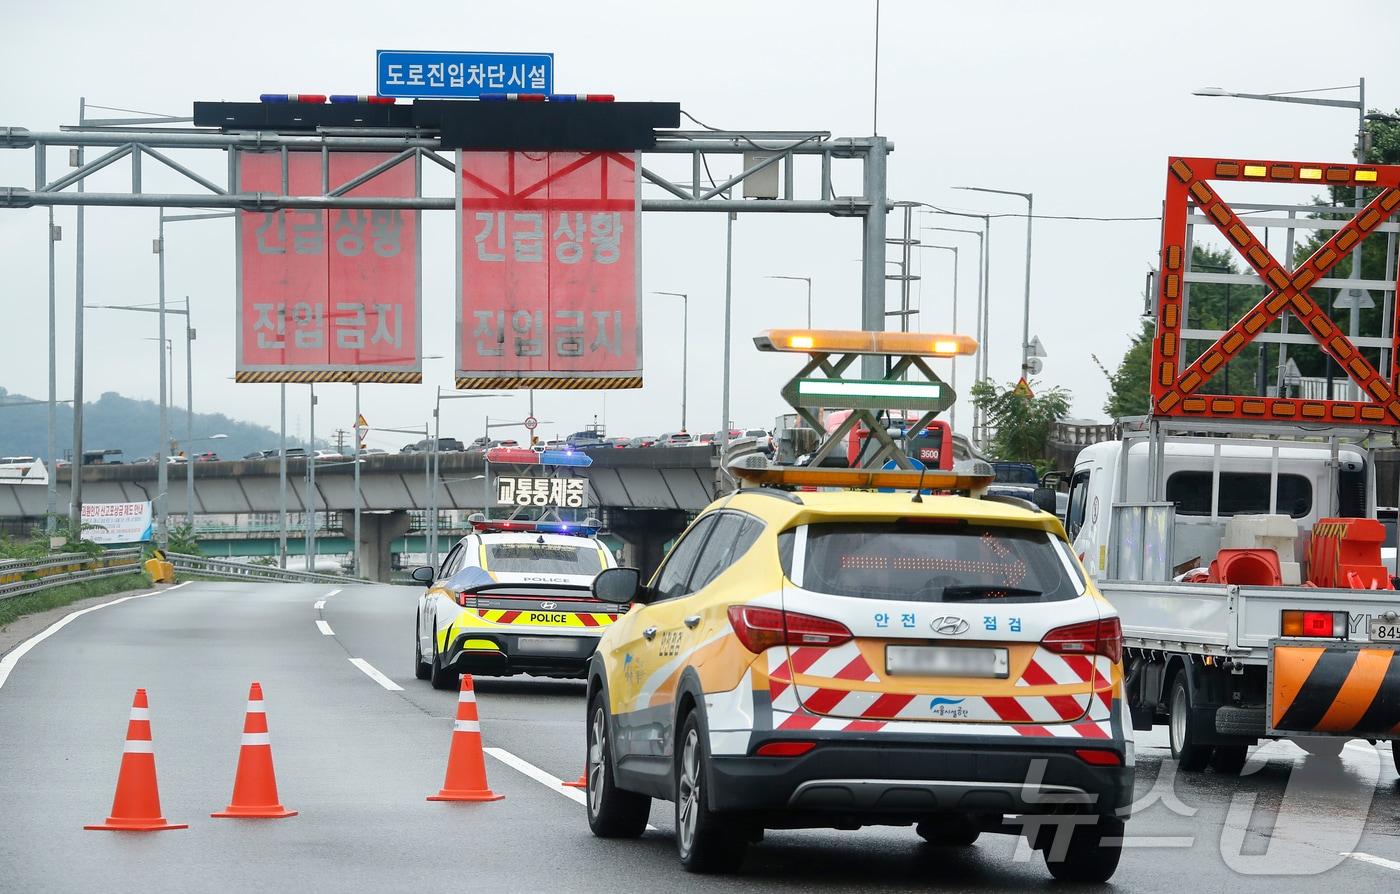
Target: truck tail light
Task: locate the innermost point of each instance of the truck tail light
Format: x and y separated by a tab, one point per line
1101	637
760	628
1322	625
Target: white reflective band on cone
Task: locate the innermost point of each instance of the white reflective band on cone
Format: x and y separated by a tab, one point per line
256	739
255	708
140	713
466	726
466	695
138	746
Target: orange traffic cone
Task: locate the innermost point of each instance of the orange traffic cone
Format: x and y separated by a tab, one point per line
466	765
581	782
136	806
255	783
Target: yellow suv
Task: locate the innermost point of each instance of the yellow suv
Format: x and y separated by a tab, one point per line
854	658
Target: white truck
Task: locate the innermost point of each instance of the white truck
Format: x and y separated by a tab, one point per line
1227	664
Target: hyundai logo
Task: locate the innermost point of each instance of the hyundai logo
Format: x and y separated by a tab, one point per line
948	625
549	606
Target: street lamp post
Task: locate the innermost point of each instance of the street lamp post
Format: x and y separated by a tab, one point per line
189	474
981	300
1026	310
685	346
808	281
984	336
427	476
1359	104
953	412
310	507
431	532
51	504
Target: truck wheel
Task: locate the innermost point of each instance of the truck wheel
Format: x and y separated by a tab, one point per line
1321	746
1092	855
612	812
1190	754
1229	759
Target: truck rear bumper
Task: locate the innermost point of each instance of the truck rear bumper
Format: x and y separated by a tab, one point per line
1325	686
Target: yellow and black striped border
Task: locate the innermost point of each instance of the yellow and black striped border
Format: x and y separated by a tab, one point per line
1335	689
330	375
575	383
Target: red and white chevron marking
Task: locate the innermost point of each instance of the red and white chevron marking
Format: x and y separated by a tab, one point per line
843	662
1047	668
802	720
868	705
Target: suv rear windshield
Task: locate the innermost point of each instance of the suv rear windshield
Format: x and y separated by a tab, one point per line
543	558
933	562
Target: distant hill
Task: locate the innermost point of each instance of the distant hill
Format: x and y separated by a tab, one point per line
131	426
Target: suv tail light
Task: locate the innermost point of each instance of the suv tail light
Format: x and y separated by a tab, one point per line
1101	637
1326	625
760	628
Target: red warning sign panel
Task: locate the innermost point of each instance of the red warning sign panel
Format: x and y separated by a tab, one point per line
548	270
1177	381
328	296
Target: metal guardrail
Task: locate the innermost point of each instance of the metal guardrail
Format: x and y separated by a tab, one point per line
242	571
24	576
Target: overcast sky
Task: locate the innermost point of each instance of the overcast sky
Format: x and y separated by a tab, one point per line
1077	102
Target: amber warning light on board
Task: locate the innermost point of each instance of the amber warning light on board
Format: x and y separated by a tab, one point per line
856	341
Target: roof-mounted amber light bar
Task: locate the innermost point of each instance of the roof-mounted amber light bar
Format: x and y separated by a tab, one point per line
857	341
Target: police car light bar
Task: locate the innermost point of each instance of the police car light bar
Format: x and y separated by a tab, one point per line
586	528
856	341
316	98
524	456
375	100
552	97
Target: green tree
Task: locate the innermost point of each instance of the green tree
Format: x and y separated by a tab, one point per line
1022	423
1128	385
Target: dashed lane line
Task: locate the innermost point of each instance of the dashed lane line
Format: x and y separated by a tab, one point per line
7	664
319	605
374	674
1373	860
554	783
325	628
332	593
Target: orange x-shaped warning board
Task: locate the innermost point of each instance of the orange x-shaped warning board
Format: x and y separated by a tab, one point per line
1175	390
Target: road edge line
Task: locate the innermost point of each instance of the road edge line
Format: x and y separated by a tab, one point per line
554	783
375	674
1372	859
12	657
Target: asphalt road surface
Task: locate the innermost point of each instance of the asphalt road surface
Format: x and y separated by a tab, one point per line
357	756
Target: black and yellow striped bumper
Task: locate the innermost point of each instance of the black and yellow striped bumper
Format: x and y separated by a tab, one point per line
1339	688
410	377
559	383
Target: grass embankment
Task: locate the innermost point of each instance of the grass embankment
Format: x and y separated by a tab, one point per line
55	597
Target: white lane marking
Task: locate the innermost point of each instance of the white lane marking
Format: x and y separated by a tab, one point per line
8	663
319	605
331	593
373	673
1372	859
553	783
325	628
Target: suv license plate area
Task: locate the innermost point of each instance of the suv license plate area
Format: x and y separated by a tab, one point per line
946	661
1383	631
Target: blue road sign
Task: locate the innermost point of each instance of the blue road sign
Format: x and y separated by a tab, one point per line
448	75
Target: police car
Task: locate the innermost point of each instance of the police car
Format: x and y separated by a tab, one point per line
838	659
512	597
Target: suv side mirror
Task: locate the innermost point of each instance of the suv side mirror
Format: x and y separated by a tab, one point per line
424	574
618	585
1044	499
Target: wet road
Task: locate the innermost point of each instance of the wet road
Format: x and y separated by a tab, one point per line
357	757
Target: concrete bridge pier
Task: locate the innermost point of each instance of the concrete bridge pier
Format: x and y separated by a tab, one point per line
378	531
644	534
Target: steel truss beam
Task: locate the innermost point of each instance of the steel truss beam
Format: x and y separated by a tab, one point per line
774	147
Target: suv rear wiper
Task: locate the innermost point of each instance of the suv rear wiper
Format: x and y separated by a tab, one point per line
968	592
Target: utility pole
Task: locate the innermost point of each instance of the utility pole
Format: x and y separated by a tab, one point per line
162	472
282	481
75	471
51	505
340	440
311	488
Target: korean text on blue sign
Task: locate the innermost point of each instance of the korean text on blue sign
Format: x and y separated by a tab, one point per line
449	75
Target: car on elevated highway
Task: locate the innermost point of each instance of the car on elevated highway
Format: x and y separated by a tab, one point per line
513	597
839	659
